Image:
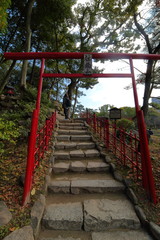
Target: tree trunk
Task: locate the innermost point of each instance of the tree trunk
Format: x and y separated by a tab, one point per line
147	91
75	102
6	78
28	42
33	66
71	87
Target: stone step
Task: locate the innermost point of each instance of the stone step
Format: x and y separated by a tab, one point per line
78	153
72	132
91	215
78	186
68	198
77	138
70	123
64	235
72	127
121	235
69	176
74	145
107	235
80	166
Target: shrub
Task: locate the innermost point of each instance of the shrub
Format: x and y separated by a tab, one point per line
126	124
8	133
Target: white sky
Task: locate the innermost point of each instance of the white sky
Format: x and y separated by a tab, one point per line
111	90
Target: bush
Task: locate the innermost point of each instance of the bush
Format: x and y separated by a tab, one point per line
126	124
8	133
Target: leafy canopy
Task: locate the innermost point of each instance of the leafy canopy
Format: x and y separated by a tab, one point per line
4	5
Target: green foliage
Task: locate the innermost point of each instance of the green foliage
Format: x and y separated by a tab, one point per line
15	121
4	4
153	118
128	112
126	124
104	110
8	133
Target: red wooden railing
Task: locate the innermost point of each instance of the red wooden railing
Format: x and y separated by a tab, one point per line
38	143
126	147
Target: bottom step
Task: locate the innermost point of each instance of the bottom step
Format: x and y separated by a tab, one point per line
81	235
91	215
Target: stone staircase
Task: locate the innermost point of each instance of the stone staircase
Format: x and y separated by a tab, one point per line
84	201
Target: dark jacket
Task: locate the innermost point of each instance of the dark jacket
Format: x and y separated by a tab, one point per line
66	102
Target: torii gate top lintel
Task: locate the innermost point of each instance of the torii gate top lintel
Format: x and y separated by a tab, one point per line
77	55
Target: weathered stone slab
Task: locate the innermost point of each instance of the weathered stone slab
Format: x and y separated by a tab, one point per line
70	145
36	214
61	238
95	186
59	187
155	230
62	155
80	128
97	167
81	138
63	132
78	166
71	132
86	145
91	153
77	153
59	145
64	216
5	215
66	127
63	138
121	235
67	123
61	167
103	214
25	233
78	132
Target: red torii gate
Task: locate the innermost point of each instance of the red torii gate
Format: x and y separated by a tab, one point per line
147	176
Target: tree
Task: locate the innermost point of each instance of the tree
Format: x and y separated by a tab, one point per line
104	110
27	42
4	5
57	27
28	13
128	112
148	27
141	33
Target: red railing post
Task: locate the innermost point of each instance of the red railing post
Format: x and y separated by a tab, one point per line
107	132
30	158
47	133
94	122
144	148
147	176
32	140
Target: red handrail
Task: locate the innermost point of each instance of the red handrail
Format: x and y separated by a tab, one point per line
37	146
125	146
